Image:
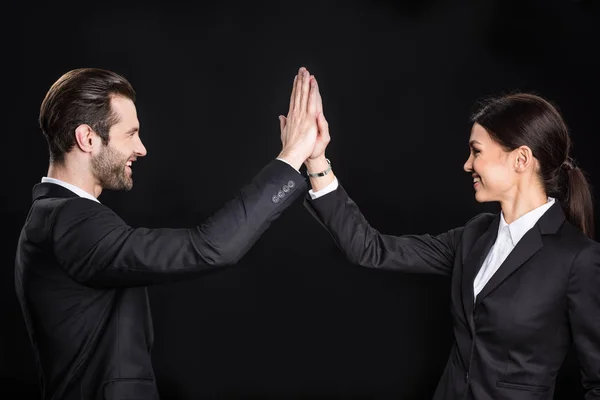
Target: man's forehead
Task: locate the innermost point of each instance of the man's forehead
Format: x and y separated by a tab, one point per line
120	103
125	110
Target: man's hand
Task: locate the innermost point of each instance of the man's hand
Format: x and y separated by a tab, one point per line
299	129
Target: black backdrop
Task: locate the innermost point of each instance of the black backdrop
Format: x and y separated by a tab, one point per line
399	81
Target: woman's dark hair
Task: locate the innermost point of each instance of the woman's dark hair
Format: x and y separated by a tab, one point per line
524	119
81	96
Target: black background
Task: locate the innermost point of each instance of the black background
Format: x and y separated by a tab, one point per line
399	81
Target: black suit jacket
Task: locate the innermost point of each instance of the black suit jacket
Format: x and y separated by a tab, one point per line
81	274
511	342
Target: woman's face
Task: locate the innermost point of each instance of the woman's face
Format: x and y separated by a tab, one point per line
492	167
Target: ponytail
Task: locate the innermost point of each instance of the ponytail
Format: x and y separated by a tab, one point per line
577	199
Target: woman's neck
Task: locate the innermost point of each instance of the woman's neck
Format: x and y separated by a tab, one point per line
522	202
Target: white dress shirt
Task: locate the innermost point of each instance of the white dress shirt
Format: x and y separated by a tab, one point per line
78	191
508	237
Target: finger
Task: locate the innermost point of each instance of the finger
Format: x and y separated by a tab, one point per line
313	101
282	122
293	95
323	126
319	100
304	90
298	88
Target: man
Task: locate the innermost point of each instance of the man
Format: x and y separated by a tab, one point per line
81	271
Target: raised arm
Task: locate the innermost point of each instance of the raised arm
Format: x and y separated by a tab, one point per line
364	245
97	248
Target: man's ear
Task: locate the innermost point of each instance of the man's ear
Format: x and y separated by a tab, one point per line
84	137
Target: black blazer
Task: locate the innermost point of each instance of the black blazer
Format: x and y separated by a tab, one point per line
510	343
81	274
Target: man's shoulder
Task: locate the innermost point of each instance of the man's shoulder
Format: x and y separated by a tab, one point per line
47	211
79	208
68	204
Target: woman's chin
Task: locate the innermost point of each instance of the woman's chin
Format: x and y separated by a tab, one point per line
480	197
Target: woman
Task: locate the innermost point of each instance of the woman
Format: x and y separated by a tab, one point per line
525	282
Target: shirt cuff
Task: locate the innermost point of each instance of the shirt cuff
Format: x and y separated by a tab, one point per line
281	159
327	189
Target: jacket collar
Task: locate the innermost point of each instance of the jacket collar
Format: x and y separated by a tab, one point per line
45	190
527	247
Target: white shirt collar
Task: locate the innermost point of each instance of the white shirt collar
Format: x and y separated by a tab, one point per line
519	227
78	191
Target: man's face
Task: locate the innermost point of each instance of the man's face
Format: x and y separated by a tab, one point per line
112	165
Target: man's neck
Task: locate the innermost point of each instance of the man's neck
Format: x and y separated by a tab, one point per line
75	177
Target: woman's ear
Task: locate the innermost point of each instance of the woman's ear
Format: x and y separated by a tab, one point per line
523	159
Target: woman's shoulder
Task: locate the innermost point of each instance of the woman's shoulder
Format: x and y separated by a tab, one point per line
586	256
570	242
569	233
477	226
481	220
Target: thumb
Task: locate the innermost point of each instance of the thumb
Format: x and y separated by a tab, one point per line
282	122
322	125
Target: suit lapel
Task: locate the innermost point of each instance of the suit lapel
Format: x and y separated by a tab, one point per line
473	262
527	247
529	244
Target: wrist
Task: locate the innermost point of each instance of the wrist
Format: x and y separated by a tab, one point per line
317	164
291	158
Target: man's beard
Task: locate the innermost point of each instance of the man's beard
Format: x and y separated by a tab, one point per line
109	168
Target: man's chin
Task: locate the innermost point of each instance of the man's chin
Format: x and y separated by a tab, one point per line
121	187
127	187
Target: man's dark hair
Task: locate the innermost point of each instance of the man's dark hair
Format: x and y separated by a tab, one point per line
81	96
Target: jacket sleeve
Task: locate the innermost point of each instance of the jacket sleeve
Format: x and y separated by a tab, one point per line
584	315
97	248
365	246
